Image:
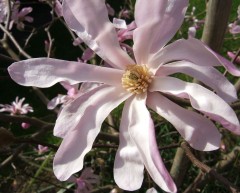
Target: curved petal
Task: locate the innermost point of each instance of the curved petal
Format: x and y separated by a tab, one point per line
142	132
197	130
79	139
73	112
230	67
128	165
60	99
201	99
152	190
45	72
157	22
89	19
206	74
192	50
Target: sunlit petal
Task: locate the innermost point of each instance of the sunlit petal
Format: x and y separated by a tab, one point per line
157	22
197	130
45	72
89	19
96	98
206	74
192	50
201	99
142	132
79	139
128	165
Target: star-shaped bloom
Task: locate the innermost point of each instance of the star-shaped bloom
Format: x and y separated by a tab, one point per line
140	82
17	107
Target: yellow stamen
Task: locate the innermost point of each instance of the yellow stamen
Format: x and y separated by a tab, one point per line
136	79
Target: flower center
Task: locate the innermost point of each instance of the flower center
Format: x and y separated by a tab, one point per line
136	79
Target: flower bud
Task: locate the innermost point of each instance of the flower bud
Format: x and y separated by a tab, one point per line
25	125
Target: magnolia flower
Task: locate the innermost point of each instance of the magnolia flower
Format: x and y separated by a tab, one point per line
17	17
191	17
234	28
86	181
42	149
17	107
138	81
72	92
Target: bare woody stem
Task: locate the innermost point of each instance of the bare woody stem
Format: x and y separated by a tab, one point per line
221	166
206	169
14	42
218	12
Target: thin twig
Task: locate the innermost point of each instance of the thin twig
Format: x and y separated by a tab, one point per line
207	169
21	51
20	119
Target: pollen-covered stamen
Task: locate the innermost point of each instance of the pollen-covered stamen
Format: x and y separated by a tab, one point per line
136	78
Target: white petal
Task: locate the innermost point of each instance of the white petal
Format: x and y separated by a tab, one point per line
192	50
79	139
89	19
206	74
197	130
201	99
142	132
73	112
128	165
45	72
157	22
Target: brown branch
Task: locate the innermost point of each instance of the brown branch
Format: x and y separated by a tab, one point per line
207	169
220	166
37	142
179	167
218	12
21	51
31	120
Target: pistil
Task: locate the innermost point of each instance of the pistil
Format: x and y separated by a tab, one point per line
137	78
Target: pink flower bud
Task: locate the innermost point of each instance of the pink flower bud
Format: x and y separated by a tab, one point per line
25	125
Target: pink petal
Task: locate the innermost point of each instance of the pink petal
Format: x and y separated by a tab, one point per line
24	11
194	51
128	165
234	28
73	112
192	32
45	72
68	86
233	56
208	75
197	130
142	132
230	67
80	137
89	19
58	8
151	190
119	23
60	99
157	22
201	99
